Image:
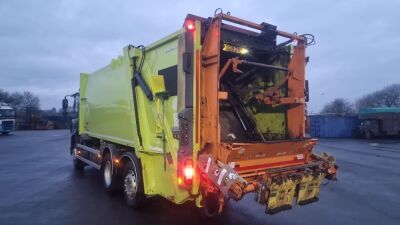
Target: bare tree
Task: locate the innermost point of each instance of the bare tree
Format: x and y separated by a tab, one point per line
367	101
389	96
338	106
4	96
30	102
25	102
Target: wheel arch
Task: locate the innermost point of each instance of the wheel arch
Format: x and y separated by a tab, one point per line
126	157
74	139
130	157
117	153
111	149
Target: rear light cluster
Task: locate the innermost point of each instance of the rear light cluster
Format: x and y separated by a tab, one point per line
187	174
190	25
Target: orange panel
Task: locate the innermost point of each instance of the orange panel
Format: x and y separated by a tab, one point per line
209	89
296	82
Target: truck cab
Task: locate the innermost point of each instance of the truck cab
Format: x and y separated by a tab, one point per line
369	128
7	119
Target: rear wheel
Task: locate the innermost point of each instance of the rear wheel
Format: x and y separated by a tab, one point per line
5	133
213	207
111	181
133	183
78	164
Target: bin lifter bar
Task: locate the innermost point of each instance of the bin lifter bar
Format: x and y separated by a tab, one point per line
264	65
257	26
236	61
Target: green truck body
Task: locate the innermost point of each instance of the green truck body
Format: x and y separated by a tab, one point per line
108	113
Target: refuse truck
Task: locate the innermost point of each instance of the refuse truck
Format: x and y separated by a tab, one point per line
212	112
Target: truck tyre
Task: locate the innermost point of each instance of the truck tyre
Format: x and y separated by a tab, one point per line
133	183
111	181
211	208
78	164
5	133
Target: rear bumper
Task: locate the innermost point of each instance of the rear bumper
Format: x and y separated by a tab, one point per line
280	187
276	187
251	160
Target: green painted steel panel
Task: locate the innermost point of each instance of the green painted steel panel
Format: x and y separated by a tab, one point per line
106	103
107	113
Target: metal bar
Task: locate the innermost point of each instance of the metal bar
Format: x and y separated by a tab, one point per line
291	36
86	148
258	26
135	108
142	84
238	29
236	111
284	43
163	133
294	167
264	65
225	68
96	166
248	121
246	75
241	21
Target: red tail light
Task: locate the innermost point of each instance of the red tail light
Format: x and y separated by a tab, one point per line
188	172
185	179
189	25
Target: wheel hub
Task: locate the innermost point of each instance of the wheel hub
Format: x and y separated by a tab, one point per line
107	173
130	184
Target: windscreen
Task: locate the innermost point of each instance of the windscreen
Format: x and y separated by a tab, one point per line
6	113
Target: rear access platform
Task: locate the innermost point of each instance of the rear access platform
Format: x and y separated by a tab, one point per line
274	187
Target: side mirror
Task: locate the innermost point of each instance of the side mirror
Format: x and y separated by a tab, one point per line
65	104
65	107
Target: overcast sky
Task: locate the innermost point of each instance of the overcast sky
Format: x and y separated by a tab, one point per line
44	45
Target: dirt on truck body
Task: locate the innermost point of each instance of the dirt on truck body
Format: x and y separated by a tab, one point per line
214	111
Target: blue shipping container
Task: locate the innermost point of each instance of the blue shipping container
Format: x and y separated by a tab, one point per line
332	125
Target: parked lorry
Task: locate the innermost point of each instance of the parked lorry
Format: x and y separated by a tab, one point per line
211	112
7	119
378	122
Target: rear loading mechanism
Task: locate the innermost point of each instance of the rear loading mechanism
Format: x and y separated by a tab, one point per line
253	99
276	188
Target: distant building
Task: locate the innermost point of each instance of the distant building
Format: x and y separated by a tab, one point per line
332	125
